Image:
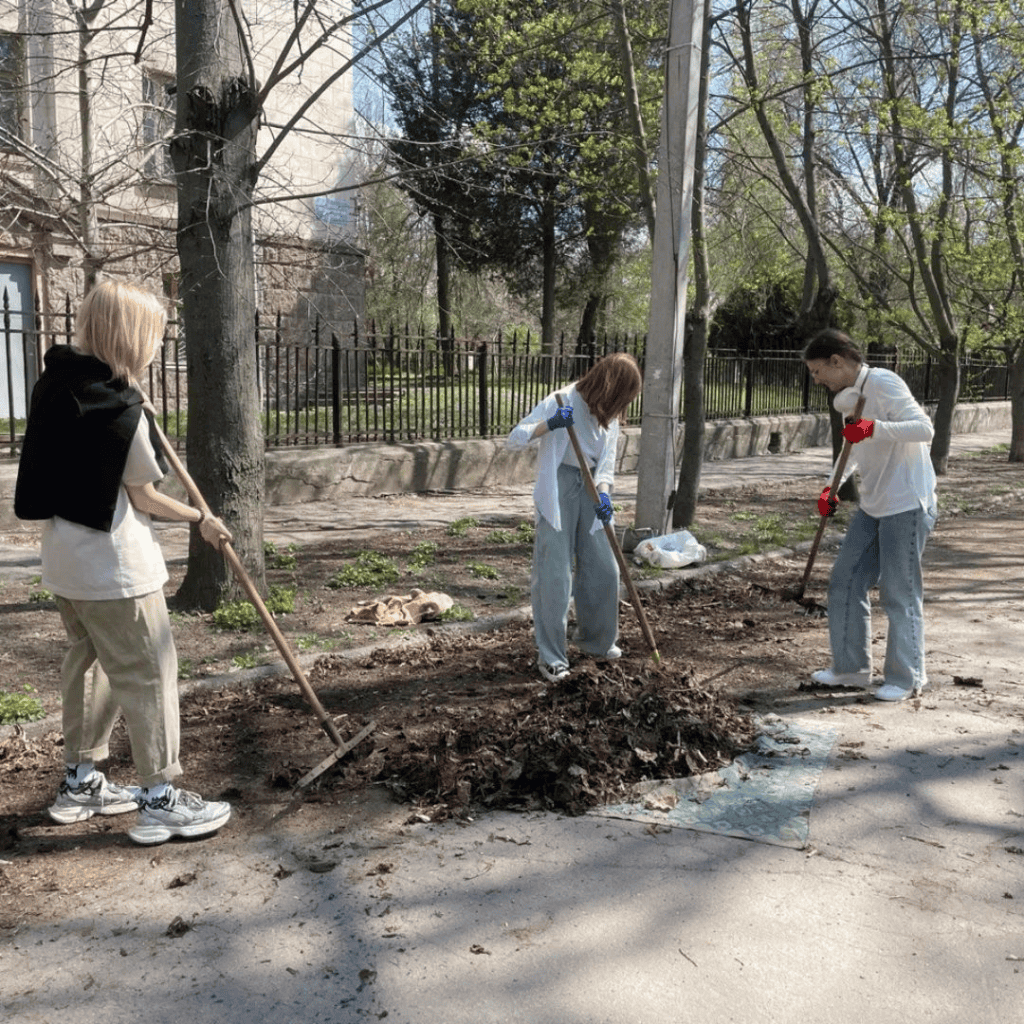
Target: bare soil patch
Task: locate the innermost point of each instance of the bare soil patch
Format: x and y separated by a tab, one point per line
462	721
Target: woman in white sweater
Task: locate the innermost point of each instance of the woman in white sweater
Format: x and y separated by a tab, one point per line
571	555
887	534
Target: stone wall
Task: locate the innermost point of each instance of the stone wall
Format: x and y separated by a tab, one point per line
327	474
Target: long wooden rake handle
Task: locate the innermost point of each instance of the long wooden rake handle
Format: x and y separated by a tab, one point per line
634	596
253	594
837	479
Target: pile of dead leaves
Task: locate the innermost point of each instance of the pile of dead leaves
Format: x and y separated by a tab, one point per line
567	747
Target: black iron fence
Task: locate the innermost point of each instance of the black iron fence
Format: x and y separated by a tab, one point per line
391	386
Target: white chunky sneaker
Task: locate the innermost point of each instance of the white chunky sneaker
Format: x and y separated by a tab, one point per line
826	677
893	693
93	796
177	813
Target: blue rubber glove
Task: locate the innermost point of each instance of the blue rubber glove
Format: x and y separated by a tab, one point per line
604	510
562	418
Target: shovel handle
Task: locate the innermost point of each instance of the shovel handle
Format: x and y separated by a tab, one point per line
197	499
591	488
837	479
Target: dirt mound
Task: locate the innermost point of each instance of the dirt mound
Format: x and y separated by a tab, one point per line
567	746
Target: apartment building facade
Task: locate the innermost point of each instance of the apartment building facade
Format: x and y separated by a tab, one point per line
87	115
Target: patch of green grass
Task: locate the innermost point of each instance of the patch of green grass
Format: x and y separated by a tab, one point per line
502	537
40	596
646	571
20	707
526	532
280	560
313	641
236	616
371	569
481	571
186	670
766	533
461	527
456	614
281	600
423	555
250	659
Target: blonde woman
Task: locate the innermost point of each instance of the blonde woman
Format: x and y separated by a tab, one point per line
88	468
572	557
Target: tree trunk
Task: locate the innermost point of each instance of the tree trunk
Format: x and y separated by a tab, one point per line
948	370
214	160
444	319
547	317
587	335
684	506
88	220
640	152
1016	371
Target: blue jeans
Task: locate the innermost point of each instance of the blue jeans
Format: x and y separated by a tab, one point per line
594	583
885	552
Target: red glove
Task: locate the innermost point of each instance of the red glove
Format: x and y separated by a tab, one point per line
827	506
854	432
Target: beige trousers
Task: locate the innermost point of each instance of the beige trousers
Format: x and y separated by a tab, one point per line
122	658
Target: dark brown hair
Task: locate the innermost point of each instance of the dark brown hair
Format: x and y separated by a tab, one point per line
830	342
609	386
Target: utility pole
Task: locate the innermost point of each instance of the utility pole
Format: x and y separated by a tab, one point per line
663	371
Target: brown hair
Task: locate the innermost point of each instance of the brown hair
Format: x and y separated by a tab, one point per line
609	386
122	325
830	342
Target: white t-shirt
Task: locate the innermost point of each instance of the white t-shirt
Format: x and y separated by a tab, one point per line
83	564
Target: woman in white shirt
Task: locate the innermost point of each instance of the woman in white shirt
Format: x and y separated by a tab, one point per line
887	534
571	556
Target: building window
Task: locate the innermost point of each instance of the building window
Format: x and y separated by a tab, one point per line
11	86
158	126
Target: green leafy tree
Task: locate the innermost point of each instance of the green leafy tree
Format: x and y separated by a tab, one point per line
437	96
554	138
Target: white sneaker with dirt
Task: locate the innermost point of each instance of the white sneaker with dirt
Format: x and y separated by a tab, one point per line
826	677
95	795
177	813
894	693
613	653
553	673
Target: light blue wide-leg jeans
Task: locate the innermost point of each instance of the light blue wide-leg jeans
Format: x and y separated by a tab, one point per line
596	589
885	552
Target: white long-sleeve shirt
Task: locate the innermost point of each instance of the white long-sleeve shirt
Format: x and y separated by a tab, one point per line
599	445
896	473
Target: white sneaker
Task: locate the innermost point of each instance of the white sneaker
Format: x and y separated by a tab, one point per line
553	673
613	652
177	813
893	693
94	796
826	677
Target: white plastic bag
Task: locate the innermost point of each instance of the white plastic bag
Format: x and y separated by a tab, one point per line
671	550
